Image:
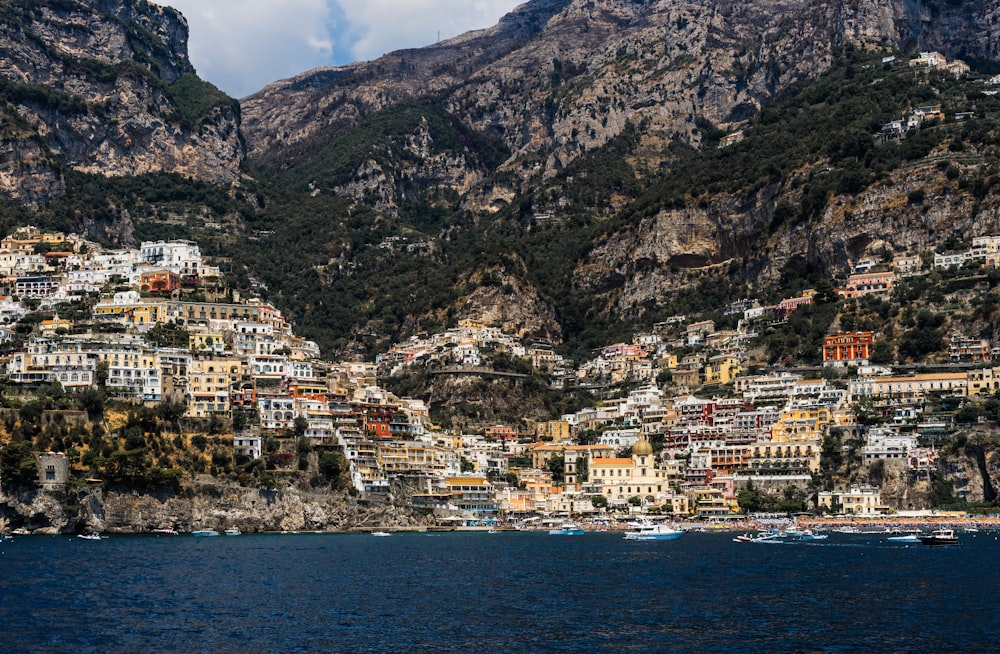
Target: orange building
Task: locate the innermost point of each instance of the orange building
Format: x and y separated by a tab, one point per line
880	283
160	281
848	348
501	433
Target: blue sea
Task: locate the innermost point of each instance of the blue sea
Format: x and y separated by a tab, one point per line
504	592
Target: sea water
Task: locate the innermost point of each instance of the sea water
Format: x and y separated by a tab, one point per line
503	592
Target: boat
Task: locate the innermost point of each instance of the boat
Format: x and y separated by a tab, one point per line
940	537
380	533
567	529
166	530
652	531
201	533
761	537
905	538
89	536
233	531
809	534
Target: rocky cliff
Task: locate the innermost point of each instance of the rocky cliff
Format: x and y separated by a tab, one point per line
202	504
105	87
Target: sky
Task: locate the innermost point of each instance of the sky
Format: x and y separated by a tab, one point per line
242	45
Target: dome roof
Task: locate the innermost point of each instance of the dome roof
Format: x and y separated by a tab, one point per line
642	448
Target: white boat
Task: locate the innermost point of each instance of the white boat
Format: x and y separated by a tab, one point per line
233	531
905	538
166	530
567	529
201	533
89	536
380	533
809	534
761	537
652	531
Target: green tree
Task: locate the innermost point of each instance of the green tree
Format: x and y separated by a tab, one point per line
18	467
557	466
335	468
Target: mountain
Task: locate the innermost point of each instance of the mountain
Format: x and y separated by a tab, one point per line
557	78
573	145
105	87
560	174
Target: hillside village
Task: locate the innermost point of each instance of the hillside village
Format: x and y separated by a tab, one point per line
689	419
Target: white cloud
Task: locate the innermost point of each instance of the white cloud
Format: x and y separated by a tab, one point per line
415	23
242	45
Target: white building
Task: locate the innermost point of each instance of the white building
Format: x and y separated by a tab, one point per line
181	257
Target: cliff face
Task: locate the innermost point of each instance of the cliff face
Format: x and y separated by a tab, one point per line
105	87
556	78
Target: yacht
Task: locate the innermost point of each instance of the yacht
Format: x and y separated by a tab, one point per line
233	531
651	531
205	532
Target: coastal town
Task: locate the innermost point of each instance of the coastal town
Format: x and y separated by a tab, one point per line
688	423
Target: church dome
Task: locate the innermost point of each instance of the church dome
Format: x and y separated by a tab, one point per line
642	448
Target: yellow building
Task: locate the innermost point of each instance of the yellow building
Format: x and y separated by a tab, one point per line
983	381
722	369
637	476
798	425
553	430
710	502
206	342
799	456
210	384
137	314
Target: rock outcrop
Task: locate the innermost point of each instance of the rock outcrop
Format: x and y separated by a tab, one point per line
205	504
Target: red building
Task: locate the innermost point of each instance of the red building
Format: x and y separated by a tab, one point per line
848	348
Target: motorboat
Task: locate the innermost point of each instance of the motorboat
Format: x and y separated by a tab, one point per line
567	529
380	533
89	536
904	538
762	537
940	537
809	534
232	531
166	530
653	531
201	533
